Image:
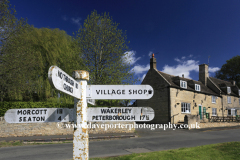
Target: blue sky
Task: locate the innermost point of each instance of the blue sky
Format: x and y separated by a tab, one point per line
183	33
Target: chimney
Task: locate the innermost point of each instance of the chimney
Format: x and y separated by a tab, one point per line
182	75
233	83
203	73
153	62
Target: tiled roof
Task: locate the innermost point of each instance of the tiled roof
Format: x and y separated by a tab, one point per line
170	79
220	83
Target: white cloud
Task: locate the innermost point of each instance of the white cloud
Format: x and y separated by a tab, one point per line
143	77
185	67
213	69
76	20
139	69
150	54
130	57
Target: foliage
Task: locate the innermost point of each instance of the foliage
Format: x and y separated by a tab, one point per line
28	58
9	25
103	46
230	70
4	106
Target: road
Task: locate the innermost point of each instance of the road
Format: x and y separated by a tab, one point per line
148	141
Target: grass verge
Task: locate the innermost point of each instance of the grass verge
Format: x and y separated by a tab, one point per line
221	151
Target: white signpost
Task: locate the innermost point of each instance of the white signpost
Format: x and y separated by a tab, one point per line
38	115
119	91
120	114
80	114
63	82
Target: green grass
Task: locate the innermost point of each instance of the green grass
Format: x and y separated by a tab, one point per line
221	151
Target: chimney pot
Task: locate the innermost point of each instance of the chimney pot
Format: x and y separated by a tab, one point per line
153	62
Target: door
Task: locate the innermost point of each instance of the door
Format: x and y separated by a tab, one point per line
200	111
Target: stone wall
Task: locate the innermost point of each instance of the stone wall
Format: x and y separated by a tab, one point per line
193	122
219	124
159	101
195	99
63	128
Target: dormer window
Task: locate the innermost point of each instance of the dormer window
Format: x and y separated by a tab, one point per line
228	90
183	84
197	87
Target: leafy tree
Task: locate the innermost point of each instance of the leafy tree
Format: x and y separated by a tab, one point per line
10	26
103	46
230	70
28	58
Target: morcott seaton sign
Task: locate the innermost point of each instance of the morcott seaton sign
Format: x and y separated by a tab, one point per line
38	115
78	88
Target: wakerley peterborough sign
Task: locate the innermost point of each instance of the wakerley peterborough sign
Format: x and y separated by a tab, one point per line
120	114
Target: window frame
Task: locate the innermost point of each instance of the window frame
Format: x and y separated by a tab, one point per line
232	111
228	90
185	107
214	99
197	87
214	111
229	101
183	82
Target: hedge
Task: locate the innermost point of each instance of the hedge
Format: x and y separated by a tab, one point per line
4	106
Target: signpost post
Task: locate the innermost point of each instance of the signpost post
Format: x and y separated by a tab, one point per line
80	135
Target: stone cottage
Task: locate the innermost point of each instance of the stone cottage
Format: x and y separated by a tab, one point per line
174	96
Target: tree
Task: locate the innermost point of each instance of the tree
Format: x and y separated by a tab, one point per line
9	24
28	57
230	70
9	27
103	46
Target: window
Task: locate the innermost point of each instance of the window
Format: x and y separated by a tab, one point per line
239	100
231	112
183	84
214	111
213	99
197	87
228	90
239	92
229	99
186	108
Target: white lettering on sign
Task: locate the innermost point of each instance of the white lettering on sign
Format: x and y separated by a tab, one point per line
37	115
63	82
120	114
119	91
